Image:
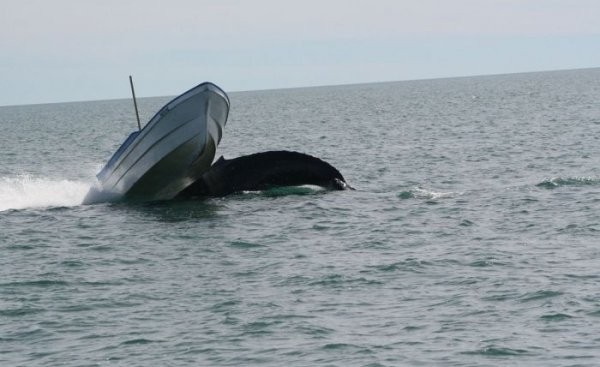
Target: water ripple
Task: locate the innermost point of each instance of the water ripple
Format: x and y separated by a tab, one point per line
496	351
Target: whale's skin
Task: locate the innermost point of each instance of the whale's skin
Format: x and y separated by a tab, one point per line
262	171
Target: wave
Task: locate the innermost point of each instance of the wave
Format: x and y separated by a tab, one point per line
555	182
285	191
420	193
26	191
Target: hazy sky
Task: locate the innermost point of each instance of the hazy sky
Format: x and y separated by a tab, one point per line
68	50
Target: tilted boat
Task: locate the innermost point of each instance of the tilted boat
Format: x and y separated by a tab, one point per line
172	150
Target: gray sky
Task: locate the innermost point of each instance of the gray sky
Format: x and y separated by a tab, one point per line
69	50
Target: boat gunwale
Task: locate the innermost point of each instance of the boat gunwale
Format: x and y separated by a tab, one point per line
108	170
142	155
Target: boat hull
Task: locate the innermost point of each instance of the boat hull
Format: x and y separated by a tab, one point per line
172	151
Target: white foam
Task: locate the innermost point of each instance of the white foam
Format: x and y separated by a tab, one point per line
25	191
428	194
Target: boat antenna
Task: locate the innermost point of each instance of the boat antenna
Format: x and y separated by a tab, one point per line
137	115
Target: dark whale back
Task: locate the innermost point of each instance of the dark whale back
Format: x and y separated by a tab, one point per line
265	170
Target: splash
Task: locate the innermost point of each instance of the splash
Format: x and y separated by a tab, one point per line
25	191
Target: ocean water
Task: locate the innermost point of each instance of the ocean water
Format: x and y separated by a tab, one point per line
473	238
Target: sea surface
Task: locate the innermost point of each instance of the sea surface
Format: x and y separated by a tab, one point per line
472	238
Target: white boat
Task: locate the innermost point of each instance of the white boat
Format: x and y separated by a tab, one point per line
172	150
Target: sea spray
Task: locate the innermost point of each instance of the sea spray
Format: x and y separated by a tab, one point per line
25	191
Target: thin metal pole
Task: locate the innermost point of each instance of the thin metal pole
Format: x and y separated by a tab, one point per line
137	115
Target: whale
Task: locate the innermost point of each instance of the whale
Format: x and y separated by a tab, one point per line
262	171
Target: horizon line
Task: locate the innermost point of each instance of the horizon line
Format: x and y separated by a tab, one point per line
318	86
